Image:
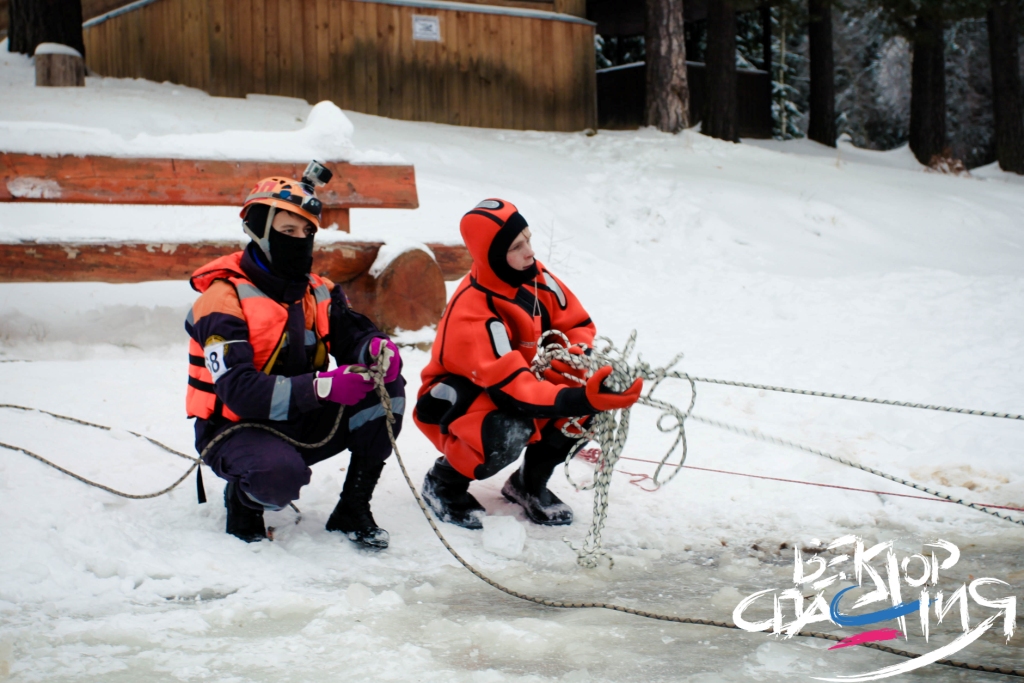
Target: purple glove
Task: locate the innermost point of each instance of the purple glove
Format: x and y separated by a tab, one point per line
392	361
346	385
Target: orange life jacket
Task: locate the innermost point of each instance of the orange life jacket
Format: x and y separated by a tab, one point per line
266	320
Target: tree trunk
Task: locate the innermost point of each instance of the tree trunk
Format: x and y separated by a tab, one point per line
766	39
1006	90
45	21
720	72
928	89
668	95
822	125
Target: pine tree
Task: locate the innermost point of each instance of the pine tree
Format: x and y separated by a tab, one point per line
668	94
822	106
720	108
1003	21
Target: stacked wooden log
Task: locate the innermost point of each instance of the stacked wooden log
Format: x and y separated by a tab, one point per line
407	293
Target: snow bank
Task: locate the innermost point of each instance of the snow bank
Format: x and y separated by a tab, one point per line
134	118
326	135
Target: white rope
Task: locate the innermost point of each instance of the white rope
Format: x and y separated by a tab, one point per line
610	428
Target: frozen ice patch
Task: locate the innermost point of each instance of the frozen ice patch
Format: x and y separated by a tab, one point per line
504	536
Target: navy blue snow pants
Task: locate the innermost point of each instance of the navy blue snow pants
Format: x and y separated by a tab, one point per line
271	471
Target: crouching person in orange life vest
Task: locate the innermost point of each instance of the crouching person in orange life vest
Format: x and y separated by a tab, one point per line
261	333
479	403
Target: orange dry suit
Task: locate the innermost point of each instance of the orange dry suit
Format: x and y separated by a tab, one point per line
480	361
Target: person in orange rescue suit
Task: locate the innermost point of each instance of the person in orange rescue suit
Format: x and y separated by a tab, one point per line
261	333
479	404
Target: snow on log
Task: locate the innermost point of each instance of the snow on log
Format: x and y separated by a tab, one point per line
59	65
407	294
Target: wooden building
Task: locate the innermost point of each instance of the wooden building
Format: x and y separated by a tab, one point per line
519	64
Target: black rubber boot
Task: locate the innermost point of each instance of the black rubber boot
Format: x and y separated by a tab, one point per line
446	493
243	521
528	486
352	515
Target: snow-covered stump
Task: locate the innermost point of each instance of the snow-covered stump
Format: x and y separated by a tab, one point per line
404	289
59	66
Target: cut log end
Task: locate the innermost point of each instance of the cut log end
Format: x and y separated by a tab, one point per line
60	70
409	294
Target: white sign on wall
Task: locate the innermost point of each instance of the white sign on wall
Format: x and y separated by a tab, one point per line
426	28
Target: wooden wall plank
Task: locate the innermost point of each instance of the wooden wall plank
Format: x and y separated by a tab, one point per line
374	39
560	71
437	75
323	50
474	90
246	46
272	38
548	71
361	57
285	56
453	104
258	48
173	38
297	46
309	78
218	47
409	59
506	84
389	81
232	49
335	68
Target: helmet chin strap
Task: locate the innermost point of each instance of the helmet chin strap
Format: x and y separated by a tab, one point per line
264	241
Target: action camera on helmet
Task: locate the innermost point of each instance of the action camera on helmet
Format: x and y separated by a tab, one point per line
316	174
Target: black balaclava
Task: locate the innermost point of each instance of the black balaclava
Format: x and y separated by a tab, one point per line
497	254
290	257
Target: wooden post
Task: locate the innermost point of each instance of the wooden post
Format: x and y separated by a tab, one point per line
59	65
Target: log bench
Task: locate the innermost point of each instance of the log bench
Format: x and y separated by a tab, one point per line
409	293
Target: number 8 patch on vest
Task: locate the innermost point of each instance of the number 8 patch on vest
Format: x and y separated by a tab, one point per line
216	362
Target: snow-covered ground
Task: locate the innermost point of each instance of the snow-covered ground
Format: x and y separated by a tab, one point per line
778	263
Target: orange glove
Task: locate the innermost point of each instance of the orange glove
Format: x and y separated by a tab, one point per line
602	398
554	373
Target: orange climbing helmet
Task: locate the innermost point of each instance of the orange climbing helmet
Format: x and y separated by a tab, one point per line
287	194
296	196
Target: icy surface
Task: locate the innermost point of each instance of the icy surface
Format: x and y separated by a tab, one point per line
791	265
503	535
